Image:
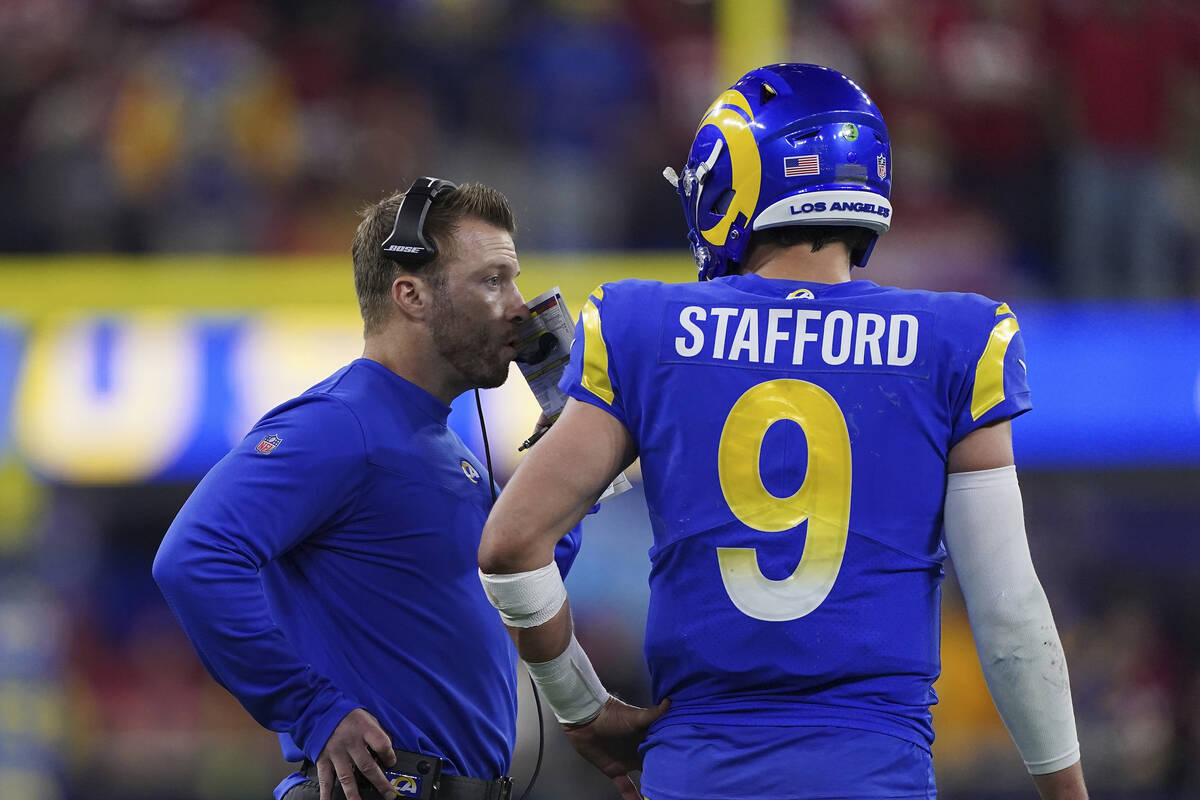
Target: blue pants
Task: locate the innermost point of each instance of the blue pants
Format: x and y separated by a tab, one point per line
732	762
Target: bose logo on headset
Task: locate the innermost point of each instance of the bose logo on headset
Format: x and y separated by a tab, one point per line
407	243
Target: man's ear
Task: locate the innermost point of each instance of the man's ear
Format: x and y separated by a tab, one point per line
412	296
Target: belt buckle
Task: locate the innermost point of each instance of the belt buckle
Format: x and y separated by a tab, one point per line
505	785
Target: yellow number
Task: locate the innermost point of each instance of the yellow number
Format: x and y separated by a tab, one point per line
823	499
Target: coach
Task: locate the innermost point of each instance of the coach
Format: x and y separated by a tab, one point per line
325	569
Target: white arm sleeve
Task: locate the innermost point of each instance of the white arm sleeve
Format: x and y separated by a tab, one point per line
1018	644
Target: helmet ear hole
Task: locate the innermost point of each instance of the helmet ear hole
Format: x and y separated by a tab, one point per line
721	205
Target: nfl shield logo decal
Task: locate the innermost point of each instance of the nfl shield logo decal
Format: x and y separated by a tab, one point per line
881	166
268	444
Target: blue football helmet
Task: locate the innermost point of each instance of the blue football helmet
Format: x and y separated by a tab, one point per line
788	144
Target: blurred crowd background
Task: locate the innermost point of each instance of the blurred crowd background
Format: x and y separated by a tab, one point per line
1044	151
1055	141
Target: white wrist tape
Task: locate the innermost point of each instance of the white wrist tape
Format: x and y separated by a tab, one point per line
526	599
1018	644
570	685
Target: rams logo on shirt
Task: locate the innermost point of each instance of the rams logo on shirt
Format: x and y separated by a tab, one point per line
469	470
801	294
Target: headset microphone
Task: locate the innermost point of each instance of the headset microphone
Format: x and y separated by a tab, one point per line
544	345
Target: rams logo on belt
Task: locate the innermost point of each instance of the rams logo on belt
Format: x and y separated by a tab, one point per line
731	115
469	470
407	784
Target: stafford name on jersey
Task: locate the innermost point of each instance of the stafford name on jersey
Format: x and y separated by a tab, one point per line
783	336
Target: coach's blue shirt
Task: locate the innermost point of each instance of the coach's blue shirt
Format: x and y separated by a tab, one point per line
329	563
793	439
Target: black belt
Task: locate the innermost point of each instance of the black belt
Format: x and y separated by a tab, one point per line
420	776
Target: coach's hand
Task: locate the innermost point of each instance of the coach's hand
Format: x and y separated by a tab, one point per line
610	741
351	745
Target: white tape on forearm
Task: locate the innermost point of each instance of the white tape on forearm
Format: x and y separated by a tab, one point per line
526	599
570	685
1018	644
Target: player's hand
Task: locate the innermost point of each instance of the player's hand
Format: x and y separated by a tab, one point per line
610	741
356	742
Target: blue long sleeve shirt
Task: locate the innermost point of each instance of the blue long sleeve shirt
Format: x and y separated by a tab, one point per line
329	562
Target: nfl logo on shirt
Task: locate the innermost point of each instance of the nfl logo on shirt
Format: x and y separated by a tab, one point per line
268	444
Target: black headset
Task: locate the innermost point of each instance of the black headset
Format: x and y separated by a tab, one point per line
407	243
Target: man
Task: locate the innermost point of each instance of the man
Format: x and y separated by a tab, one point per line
325	569
803	439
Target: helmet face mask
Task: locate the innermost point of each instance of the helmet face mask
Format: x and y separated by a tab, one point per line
788	144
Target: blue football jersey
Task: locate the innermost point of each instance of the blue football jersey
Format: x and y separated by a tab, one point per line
793	439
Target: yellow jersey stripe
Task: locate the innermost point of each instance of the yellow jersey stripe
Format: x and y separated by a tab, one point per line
989	372
595	351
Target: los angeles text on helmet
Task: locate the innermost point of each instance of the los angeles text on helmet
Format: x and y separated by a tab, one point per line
782	335
820	206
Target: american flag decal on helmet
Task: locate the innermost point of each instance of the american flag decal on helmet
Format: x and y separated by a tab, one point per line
795	166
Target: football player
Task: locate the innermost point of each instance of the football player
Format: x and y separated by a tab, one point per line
812	447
